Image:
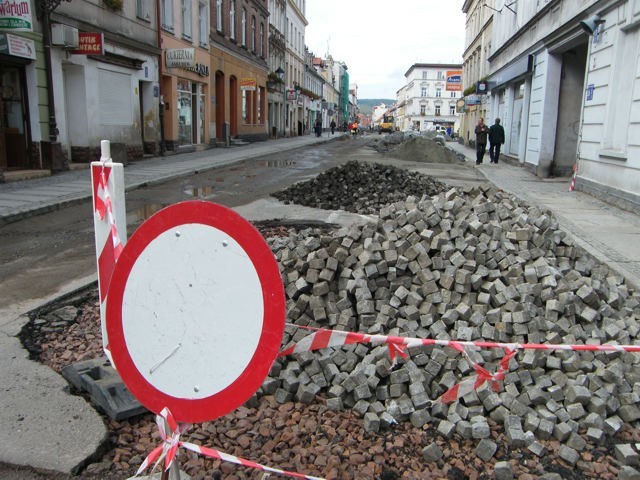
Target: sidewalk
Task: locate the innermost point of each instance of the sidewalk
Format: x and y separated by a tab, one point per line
610	234
26	198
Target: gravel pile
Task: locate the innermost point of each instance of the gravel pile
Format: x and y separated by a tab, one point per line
360	187
474	266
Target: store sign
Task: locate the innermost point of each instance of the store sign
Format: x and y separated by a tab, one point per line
180	57
200	68
482	87
589	94
454	80
15	15
248	84
89	43
291	95
17	46
472	100
460	104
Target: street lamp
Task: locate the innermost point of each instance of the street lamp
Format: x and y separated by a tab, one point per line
280	73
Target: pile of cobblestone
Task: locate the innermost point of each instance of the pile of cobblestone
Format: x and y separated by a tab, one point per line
465	265
360	187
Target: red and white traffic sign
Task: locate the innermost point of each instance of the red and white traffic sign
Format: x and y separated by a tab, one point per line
195	311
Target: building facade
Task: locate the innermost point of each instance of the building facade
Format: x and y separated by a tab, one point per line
313	90
239	53
276	64
330	92
430	97
475	66
185	74
106	86
295	67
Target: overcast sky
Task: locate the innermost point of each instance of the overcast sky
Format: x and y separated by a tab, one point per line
380	39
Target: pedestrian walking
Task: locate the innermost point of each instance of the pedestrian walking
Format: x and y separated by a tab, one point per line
318	127
333	126
496	139
482	131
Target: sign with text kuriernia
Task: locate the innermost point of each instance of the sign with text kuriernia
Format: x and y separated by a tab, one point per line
180	57
454	80
89	43
248	84
15	15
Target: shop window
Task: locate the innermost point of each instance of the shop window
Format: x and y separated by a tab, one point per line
437	110
245	110
452	110
423	110
423	92
185	112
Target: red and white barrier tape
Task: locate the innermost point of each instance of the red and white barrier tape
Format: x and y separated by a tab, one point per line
105	207
324	338
171	442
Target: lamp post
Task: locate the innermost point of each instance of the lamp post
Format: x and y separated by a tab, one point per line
54	152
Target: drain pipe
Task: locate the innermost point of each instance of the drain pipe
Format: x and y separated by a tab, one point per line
160	97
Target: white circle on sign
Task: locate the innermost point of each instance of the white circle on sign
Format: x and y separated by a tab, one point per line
195	311
178	308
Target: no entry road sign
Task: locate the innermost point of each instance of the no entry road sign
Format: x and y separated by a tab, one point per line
195	311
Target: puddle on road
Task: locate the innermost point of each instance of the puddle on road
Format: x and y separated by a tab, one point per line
198	192
143	213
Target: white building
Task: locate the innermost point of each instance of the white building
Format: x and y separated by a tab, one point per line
569	92
295	66
475	66
430	95
377	112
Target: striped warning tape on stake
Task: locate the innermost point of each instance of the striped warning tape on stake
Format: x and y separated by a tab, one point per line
324	338
171	442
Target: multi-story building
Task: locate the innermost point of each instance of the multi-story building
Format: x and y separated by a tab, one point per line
563	79
295	66
312	88
330	92
104	71
401	120
239	52
475	66
341	71
185	74
276	64
430	97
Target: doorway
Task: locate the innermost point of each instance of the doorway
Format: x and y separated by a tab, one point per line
219	105
15	135
574	64
233	105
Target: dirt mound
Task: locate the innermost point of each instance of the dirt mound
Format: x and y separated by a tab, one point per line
421	149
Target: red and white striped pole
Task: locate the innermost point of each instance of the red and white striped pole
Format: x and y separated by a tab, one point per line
573	180
110	224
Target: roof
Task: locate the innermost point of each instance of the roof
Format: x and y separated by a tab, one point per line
433	65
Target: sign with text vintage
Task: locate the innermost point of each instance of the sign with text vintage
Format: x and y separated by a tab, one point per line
454	80
89	43
17	46
15	15
180	57
248	84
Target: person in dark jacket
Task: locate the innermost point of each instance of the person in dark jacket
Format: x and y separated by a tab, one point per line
482	131
333	126
496	139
